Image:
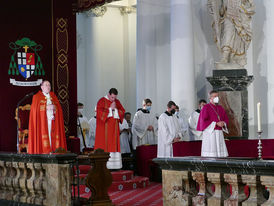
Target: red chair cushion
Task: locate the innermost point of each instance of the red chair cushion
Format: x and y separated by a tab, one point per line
24	119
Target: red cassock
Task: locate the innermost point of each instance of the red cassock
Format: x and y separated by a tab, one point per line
38	140
107	135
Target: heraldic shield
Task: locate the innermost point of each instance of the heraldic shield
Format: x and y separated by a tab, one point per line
28	60
26	63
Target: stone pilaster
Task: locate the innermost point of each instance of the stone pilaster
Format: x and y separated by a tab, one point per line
220	193
201	198
237	194
178	188
255	189
232	86
268	181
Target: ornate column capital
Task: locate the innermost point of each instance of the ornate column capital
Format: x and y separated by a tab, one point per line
86	5
127	10
97	11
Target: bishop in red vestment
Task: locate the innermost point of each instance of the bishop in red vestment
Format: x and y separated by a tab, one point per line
109	113
46	124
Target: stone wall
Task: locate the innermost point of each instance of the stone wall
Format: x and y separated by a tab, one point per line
210	181
36	179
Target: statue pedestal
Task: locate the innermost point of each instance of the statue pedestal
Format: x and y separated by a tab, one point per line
232	86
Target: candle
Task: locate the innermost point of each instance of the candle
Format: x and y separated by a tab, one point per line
259	116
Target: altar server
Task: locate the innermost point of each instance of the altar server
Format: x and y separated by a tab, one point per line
193	122
168	132
144	127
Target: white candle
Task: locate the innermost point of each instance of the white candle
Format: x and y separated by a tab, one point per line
259	116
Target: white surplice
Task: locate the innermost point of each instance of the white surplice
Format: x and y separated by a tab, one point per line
193	122
213	144
92	131
124	137
141	135
183	126
178	126
168	129
50	115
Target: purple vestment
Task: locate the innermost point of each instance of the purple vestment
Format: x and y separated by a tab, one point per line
209	115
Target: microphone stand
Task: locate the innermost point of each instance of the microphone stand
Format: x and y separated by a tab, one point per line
17	114
79	125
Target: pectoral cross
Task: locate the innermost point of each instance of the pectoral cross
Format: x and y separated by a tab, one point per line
26	48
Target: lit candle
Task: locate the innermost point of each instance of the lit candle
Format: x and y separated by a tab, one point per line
259	116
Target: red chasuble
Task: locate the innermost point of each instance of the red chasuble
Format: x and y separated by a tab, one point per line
107	135
38	141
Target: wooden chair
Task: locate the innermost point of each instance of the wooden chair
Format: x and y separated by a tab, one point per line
23	126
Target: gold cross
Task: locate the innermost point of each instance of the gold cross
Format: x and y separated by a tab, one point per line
26	48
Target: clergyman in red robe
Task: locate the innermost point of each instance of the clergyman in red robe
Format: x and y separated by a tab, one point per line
46	123
109	113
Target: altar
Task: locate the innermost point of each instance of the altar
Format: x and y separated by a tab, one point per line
236	148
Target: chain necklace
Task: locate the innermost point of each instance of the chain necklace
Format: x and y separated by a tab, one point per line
215	112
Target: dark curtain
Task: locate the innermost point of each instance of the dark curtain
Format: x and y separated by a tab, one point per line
51	24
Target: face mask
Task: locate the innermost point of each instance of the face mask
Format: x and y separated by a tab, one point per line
216	100
80	110
148	108
176	113
172	111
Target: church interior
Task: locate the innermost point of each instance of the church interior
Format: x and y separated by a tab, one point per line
148	54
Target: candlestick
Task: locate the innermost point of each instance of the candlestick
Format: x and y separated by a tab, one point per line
260	145
259	116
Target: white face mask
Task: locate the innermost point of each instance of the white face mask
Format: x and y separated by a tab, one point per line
80	110
216	100
176	113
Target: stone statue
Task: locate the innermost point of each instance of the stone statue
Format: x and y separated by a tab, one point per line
232	30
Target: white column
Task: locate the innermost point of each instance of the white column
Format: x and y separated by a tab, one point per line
153	53
267	123
182	60
263	63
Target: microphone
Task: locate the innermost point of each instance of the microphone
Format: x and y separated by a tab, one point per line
30	94
25	97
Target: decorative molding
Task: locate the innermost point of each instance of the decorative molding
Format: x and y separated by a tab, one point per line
62	73
86	5
127	10
97	11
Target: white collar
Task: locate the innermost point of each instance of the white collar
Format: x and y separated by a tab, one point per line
47	95
107	97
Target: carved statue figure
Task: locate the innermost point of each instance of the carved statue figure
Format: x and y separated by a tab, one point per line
232	29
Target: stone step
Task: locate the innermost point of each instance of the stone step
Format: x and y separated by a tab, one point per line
117	176
136	182
122	175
